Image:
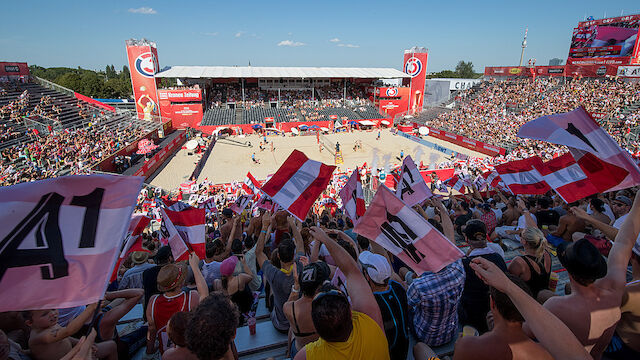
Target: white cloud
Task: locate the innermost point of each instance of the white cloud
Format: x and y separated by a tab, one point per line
143	10
334	40
240	33
290	43
349	45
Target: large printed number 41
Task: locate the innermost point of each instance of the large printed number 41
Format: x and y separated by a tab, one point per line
44	218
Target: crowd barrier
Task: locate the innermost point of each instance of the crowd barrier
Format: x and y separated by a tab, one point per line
467	143
283	126
158	159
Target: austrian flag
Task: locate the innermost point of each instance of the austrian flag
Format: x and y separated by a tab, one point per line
522	177
298	183
251	185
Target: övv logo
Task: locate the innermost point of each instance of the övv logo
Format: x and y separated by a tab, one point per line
146	64
413	67
391	92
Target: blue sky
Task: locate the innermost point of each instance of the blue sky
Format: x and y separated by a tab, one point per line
91	34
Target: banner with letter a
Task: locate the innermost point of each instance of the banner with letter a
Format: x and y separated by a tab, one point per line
353	197
411	187
402	231
298	183
60	239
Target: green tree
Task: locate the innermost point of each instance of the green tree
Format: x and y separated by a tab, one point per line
110	71
465	69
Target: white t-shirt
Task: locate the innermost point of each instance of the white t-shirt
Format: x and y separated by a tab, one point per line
607	211
498	213
491	248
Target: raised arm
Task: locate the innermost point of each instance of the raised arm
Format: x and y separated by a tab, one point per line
621	251
362	299
73	327
445	220
527	215
552	333
201	284
609	231
266	230
297	238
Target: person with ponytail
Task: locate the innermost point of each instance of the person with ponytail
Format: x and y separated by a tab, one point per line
534	267
475	298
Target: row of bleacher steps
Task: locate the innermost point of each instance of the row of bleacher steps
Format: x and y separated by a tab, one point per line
257	115
368	112
218	116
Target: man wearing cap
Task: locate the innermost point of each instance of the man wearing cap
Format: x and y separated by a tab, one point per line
132	278
392	301
592	310
150	276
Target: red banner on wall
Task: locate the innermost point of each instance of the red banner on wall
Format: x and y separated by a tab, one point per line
466	142
392	100
415	65
94	102
143	65
154	163
183	115
14	69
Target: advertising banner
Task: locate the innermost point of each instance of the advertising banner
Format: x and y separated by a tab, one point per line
605	38
143	65
154	163
392	100
180	95
183	115
415	65
466	142
12	69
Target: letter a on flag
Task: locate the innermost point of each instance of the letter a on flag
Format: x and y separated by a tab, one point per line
353	197
411	187
59	239
179	248
298	183
399	229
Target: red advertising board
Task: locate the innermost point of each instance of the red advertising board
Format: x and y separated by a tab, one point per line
143	65
182	115
415	65
180	95
14	69
94	102
392	100
466	142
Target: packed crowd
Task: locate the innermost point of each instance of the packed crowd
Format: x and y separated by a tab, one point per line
71	151
340	295
504	106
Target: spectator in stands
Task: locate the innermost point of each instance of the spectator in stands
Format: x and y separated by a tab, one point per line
534	267
303	330
212	328
236	286
225	230
173	299
546	217
150	276
433	298
176	329
475	298
132	278
568	225
115	306
505	340
593	308
344	333
392	301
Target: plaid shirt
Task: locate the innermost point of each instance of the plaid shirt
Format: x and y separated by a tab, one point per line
433	300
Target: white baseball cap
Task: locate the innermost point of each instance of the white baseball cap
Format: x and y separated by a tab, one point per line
376	266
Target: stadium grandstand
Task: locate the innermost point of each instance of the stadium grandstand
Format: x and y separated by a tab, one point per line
298	212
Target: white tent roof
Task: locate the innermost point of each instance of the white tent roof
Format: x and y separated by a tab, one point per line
195	72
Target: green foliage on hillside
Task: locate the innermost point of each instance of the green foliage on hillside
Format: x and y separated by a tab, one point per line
463	70
107	84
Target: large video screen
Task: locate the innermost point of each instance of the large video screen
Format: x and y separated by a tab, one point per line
612	37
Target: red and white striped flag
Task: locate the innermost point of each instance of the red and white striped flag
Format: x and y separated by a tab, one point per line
179	248
175	205
402	231
133	241
492	177
328	201
411	187
266	203
456	183
61	238
352	197
190	225
522	177
186	186
578	131
251	185
298	183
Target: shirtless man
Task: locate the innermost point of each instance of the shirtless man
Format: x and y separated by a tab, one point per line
567	225
506	340
48	340
592	310
225	230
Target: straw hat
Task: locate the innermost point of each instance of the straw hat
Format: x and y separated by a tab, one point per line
171	276
139	257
